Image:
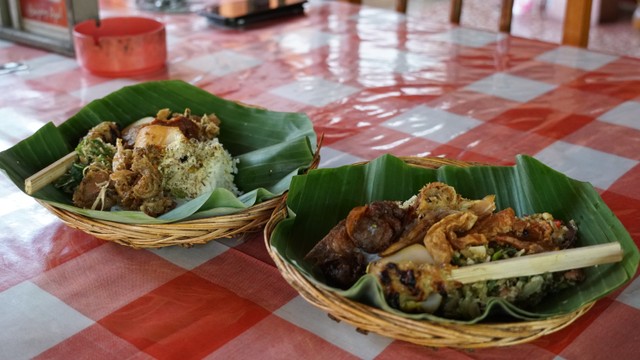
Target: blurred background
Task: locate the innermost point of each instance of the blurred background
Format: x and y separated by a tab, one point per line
613	29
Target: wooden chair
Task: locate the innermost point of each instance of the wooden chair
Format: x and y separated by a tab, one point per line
401	5
577	20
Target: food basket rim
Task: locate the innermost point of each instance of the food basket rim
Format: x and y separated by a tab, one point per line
366	318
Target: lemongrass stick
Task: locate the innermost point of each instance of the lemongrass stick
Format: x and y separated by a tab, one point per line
539	263
49	174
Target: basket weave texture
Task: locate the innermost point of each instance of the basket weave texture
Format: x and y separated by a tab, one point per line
182	233
422	332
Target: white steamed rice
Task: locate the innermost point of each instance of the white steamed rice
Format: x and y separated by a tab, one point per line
191	168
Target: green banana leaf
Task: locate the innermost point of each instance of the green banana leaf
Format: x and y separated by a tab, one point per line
318	200
271	147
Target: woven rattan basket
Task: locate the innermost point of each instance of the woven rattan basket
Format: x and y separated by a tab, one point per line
183	233
441	334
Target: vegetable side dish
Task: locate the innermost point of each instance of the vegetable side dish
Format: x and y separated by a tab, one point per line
150	165
410	245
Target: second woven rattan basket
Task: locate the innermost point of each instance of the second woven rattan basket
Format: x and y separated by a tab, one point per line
434	334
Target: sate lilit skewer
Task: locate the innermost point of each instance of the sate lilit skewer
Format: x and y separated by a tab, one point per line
49	174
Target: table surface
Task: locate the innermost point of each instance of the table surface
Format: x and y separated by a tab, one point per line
373	82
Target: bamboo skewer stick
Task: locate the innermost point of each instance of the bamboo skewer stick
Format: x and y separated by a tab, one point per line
539	263
49	174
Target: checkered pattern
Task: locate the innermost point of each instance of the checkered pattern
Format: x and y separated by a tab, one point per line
373	82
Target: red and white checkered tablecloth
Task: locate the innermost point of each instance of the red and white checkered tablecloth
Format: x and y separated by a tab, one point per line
373	82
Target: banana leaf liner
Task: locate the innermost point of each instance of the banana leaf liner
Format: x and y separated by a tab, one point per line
271	147
320	199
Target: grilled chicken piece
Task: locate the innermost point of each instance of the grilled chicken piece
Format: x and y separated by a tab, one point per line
337	258
94	191
376	226
342	255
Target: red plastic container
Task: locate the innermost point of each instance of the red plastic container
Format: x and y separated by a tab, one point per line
121	46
